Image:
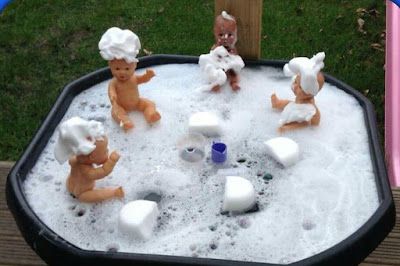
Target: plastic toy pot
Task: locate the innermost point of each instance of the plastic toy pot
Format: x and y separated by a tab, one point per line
218	152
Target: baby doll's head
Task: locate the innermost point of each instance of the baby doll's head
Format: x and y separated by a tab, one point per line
119	44
307	73
300	92
77	137
225	30
121	69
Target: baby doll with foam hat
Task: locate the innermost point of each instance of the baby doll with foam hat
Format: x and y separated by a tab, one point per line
85	145
120	48
223	62
307	82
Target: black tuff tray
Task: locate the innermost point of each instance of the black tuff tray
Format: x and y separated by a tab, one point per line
57	251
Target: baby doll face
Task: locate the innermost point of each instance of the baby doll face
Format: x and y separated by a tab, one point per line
122	70
100	153
225	32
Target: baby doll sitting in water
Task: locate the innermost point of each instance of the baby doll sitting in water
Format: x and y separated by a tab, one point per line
120	48
223	63
308	80
84	144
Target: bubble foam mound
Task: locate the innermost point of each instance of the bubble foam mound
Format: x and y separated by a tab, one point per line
119	44
304	209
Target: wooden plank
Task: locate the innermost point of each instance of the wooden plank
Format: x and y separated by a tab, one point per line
388	252
248	15
14	250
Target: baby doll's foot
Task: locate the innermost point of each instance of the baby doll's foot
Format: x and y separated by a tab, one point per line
282	129
126	125
119	192
216	88
154	117
274	101
235	86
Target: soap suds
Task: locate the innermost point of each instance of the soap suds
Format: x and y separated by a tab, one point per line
303	210
214	65
119	44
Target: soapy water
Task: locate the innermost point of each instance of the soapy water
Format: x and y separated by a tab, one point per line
302	210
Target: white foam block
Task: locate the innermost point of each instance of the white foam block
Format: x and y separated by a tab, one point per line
138	218
239	194
205	123
284	150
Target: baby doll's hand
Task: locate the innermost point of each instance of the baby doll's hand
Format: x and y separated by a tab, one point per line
114	156
150	73
274	100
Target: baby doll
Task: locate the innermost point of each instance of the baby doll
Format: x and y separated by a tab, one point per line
308	81
120	48
85	144
216	64
225	33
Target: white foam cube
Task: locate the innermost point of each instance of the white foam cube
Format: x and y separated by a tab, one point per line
138	218
284	150
239	194
205	123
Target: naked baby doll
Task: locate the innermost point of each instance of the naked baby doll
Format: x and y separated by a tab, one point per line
225	34
120	48
308	81
85	144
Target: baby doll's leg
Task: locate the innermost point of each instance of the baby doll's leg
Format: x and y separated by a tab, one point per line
278	103
292	126
216	88
121	116
101	194
233	80
149	110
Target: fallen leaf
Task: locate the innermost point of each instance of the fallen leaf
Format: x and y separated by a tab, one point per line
147	52
373	12
361	24
383	34
361	11
377	46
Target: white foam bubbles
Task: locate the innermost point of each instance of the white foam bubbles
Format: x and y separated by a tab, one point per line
304	209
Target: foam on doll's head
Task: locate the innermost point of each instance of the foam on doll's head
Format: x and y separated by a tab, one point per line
308	69
77	137
119	44
227	16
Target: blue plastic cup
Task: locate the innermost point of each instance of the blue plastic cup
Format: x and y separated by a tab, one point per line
218	152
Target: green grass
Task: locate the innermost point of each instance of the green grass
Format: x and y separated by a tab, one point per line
46	44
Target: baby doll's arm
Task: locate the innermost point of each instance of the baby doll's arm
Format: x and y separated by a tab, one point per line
112	92
145	77
106	169
316	118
